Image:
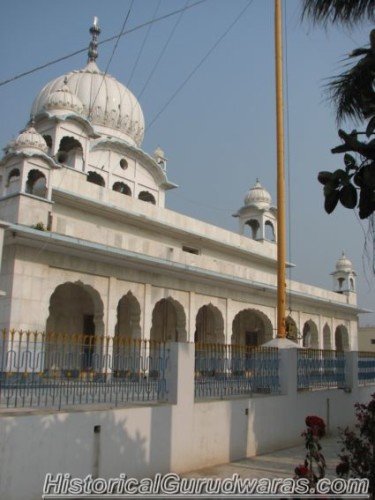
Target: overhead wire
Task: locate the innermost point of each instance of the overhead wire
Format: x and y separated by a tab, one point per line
163	50
111	56
80	51
201	62
143	45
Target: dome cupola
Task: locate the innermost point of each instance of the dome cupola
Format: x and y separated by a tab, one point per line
64	100
107	104
30	139
344	264
258	197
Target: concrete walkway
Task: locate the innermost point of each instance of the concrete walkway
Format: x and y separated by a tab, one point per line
277	464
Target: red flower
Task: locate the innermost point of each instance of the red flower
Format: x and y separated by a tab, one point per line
301	471
317	425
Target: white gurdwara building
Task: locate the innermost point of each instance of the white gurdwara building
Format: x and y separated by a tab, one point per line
89	247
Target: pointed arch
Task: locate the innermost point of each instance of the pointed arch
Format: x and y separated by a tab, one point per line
168	321
327	343
310	338
36	183
128	318
251	327
341	338
291	329
209	325
75	310
269	231
254	227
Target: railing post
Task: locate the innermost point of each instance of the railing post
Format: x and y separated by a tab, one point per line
180	373
351	371
288	370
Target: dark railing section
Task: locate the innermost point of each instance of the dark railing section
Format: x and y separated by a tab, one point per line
320	369
230	370
366	368
52	370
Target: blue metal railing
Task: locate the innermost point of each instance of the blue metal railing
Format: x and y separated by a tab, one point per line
229	370
318	369
366	368
55	371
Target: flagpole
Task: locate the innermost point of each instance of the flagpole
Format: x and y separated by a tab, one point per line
281	225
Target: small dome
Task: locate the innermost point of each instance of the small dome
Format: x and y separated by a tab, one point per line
258	197
30	139
344	264
64	99
159	153
106	103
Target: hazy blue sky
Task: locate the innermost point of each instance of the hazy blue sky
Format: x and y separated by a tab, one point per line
219	132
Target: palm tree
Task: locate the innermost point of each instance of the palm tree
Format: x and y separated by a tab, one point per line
353	95
347	12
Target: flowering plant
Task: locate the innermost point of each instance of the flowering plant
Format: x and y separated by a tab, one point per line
314	465
357	457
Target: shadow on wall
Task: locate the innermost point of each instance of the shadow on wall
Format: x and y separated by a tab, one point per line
102	443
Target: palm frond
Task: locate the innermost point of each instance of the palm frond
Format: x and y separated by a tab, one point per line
347	12
352	92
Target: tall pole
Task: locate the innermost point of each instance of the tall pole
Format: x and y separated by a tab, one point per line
281	227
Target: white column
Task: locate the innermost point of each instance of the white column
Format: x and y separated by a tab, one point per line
147	312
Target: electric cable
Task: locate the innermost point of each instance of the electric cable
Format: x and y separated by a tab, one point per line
142	45
80	51
111	57
163	50
201	62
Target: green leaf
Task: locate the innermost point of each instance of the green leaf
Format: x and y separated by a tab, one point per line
370	127
369	175
366	203
331	201
348	196
340	176
325	177
350	161
358	178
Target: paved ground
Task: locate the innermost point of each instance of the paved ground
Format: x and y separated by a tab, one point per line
278	464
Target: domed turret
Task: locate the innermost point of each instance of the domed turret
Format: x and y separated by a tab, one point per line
63	99
344	275
106	103
258	214
258	197
344	264
30	139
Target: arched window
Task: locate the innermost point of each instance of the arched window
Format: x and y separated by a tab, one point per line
310	334
70	152
291	329
341	338
95	179
48	140
146	196
36	183
13	175
121	187
254	226
351	281
269	231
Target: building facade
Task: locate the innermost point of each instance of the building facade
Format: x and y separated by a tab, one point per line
89	246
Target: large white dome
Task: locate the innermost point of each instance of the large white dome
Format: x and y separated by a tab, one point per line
110	107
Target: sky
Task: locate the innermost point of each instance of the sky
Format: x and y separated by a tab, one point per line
218	132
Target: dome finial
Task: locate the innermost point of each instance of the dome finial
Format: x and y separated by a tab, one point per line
93	47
